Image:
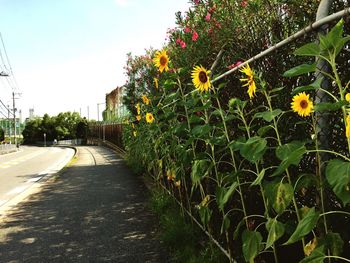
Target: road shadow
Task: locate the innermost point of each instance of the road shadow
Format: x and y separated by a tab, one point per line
93	213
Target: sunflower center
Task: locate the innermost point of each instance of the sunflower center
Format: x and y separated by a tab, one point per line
304	104
203	77
163	60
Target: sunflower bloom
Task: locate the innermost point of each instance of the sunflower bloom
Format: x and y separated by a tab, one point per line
347	131
145	99
200	78
347	97
249	79
178	184
138	117
149	117
161	60
156	83
138	108
134	133
302	104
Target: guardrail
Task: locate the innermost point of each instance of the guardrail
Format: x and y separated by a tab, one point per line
7	148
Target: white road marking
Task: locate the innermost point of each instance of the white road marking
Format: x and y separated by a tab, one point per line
17	190
3	202
35	179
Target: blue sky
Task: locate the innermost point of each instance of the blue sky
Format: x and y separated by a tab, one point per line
67	54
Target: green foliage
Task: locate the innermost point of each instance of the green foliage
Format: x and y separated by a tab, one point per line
66	125
252	244
185	240
305	226
248	168
2	134
338	176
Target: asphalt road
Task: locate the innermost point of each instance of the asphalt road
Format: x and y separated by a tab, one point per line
20	170
94	211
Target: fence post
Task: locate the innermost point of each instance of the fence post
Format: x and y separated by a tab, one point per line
323	129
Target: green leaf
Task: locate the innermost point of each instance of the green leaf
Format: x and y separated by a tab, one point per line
317	256
313	86
223	195
268	115
341	44
251	244
327	106
279	195
300	70
338	176
194	119
335	34
290	153
200	169
205	214
334	243
259	178
305	226
253	149
264	130
201	130
275	229
310	49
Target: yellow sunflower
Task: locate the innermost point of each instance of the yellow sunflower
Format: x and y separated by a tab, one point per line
134	133
178	184
145	99
302	104
149	117
138	117
161	60
249	79
347	97
200	78
347	131
156	83
138	108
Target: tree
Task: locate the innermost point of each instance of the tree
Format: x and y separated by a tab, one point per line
2	134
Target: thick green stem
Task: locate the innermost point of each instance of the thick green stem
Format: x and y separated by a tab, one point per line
287	171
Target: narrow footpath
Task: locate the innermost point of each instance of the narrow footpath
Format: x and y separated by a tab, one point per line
93	212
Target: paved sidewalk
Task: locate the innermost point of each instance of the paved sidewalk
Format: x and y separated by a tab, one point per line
94	212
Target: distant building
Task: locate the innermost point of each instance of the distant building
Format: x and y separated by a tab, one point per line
31	113
115	109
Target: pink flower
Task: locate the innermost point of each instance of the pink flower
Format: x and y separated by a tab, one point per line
196	2
194	36
244	3
234	65
182	44
187	29
178	41
207	17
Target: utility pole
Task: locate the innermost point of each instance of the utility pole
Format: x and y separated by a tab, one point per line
8	121
14	118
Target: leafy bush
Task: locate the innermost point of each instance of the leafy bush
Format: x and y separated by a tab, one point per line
247	154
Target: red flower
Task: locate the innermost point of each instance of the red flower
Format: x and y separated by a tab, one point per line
196	2
244	3
194	36
187	29
178	41
182	44
207	17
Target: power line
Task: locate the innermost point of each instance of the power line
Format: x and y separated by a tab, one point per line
8	62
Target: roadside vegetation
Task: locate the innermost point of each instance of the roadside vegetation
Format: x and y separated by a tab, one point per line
64	126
